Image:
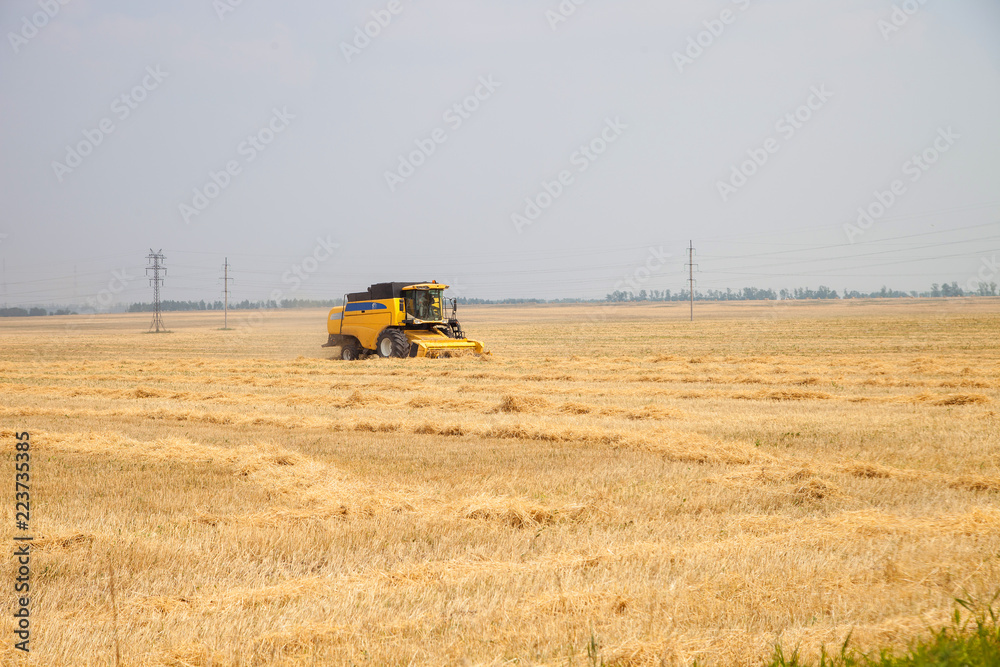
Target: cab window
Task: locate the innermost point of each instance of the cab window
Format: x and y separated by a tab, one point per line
423	304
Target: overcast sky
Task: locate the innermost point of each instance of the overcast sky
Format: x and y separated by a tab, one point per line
523	148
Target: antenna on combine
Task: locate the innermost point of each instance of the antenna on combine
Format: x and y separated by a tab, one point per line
156	259
691	266
225	291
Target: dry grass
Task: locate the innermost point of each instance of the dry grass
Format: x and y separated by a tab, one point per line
770	473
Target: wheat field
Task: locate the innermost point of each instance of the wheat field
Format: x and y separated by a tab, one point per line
614	483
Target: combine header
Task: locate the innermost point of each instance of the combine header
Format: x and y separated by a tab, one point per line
397	320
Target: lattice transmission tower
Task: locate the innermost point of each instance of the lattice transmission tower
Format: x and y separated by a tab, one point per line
692	267
225	291
156	260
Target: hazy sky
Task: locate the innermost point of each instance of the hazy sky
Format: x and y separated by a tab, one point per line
514	149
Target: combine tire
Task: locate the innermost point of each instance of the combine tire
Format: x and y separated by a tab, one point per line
350	351
393	343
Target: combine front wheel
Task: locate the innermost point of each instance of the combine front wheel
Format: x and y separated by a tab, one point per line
350	351
393	343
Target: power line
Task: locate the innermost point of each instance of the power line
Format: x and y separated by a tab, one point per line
874	242
827	272
197	271
817	260
837	225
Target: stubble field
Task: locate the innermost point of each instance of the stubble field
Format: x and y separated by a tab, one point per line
612	479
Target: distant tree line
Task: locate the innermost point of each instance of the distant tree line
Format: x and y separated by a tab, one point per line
177	305
757	294
618	296
822	292
473	302
745	294
169	305
985	289
31	312
246	304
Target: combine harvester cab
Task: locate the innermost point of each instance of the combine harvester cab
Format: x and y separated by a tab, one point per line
397	320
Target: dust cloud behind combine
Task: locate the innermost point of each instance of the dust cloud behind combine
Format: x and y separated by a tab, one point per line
676	491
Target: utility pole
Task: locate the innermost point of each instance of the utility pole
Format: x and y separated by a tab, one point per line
225	291
690	265
156	259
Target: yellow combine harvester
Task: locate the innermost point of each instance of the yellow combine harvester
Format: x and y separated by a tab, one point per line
397	320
